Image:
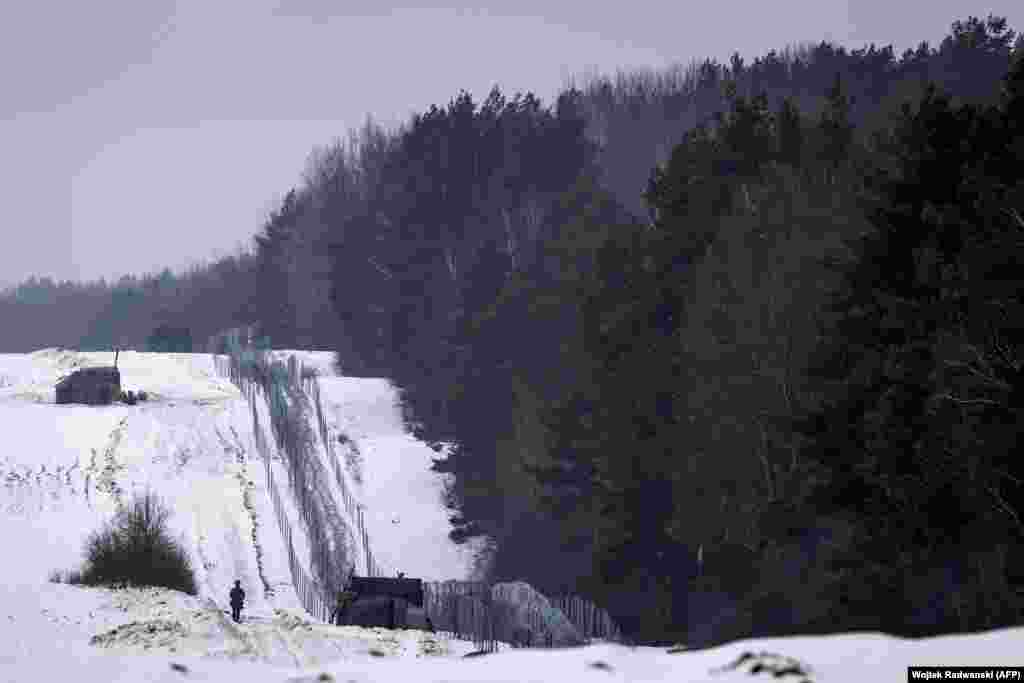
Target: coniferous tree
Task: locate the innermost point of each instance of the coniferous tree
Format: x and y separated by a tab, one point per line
836	127
276	253
921	428
790	134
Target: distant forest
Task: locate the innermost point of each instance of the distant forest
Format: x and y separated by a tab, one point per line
733	350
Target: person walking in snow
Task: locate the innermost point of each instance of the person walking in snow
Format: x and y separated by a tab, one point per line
237	601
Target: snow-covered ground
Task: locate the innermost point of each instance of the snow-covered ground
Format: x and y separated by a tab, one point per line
405	518
64	467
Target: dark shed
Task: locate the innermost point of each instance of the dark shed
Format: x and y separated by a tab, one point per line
388	603
92	386
407	589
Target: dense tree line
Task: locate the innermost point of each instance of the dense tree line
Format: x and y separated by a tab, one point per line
642	416
772	385
464	202
810	431
101	315
640	116
672	462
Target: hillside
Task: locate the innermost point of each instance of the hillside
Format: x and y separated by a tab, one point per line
192	442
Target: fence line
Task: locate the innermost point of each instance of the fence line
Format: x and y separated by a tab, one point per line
311	386
313	596
309	593
463	608
593	621
468	611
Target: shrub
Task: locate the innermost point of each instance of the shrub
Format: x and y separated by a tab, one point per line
136	549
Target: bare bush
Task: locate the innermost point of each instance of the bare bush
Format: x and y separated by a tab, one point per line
136	549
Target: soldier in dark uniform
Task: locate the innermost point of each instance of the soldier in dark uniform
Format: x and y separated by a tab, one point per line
237	601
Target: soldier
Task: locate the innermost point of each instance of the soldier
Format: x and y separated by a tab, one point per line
237	601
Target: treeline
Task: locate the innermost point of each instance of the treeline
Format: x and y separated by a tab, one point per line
772	386
637	407
802	389
132	312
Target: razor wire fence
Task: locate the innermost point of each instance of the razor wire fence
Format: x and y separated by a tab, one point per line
468	611
254	375
464	609
310	386
592	621
311	595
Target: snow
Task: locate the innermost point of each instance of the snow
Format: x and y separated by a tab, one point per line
405	517
64	467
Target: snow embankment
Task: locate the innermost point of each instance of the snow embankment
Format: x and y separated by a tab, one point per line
68	633
78	631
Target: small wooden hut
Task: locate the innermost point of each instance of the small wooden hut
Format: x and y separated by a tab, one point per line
92	386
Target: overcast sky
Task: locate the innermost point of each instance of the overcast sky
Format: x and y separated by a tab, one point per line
147	133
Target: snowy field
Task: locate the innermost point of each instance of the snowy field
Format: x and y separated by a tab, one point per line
63	468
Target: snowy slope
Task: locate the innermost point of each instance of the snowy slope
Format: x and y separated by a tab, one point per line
67	467
405	517
64	467
191	443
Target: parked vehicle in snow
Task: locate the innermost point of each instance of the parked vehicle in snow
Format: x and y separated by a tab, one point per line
385	602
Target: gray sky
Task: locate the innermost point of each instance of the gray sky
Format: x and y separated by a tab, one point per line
138	135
